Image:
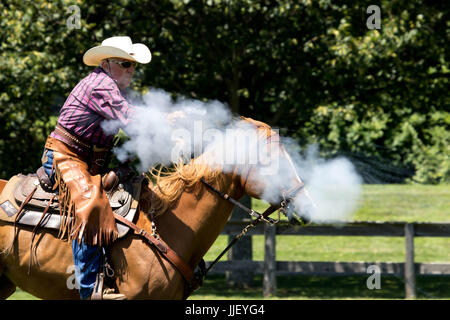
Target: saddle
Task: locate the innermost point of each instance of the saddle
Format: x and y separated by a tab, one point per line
123	198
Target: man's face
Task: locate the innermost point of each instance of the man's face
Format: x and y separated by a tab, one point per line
119	72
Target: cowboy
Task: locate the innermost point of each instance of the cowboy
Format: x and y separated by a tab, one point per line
75	154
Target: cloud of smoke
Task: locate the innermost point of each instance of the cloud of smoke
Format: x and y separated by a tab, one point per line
166	131
333	184
156	138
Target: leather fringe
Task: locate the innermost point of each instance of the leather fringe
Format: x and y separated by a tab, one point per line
66	207
85	211
76	228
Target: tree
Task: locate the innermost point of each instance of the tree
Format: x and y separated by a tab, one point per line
311	68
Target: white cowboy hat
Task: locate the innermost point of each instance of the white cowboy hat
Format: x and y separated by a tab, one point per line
117	47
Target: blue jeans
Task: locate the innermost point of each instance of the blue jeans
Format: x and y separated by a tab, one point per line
87	264
86	258
47	163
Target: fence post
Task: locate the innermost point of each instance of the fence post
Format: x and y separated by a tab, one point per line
242	250
269	278
410	273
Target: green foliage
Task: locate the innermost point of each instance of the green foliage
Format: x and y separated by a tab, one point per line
311	68
37	69
427	137
395	80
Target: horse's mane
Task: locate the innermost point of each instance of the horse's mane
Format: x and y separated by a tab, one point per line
171	182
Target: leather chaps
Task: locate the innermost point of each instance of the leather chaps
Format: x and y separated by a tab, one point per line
86	212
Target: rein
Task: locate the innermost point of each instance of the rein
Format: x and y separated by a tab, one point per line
184	268
194	278
283	207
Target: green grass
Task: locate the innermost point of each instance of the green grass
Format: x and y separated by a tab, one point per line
309	287
337	248
22	295
410	203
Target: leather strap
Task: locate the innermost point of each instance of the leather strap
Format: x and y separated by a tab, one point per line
62	147
79	142
186	270
36	227
24	203
264	216
19	212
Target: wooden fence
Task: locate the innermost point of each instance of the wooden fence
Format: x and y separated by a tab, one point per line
270	267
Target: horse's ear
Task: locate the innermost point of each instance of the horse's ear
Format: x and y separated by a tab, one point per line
262	127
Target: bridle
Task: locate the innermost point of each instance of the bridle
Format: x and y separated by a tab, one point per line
194	276
284	207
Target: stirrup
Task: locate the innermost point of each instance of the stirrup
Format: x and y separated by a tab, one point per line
113	296
105	294
97	294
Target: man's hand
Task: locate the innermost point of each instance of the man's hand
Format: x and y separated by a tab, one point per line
172	117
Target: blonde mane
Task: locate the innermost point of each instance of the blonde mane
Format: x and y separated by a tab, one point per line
172	182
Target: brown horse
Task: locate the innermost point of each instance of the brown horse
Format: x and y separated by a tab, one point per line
190	218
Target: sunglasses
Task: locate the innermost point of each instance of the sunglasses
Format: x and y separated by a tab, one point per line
124	64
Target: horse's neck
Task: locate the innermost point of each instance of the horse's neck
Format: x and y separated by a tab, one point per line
195	223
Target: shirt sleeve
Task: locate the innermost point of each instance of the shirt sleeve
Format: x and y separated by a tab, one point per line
110	104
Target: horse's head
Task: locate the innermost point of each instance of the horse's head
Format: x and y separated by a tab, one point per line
255	162
274	178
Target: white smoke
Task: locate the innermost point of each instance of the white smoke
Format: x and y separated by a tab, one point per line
165	131
156	138
334	185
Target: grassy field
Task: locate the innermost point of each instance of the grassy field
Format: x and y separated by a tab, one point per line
411	203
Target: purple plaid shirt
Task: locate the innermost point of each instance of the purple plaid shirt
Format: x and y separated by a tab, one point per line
94	99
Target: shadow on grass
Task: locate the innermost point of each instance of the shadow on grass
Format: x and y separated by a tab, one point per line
342	287
307	287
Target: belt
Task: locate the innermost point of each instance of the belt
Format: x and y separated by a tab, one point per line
79	142
62	147
96	157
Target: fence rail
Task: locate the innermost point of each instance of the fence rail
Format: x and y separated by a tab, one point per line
270	267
